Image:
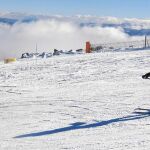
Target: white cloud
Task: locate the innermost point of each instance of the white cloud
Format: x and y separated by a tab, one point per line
53	33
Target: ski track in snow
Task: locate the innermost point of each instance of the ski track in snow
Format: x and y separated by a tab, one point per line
79	102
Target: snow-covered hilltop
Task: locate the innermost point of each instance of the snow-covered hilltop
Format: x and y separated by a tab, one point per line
91	101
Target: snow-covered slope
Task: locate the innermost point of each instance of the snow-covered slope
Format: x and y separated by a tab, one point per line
84	102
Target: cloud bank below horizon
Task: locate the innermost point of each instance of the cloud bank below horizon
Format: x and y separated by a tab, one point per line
53	33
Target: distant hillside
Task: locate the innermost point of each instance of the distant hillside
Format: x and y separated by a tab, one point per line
8	21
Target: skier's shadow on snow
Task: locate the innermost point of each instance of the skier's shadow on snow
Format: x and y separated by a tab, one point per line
137	114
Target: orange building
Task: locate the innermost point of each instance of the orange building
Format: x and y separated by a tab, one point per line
88	47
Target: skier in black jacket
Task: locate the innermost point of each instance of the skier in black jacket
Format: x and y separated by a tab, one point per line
146	76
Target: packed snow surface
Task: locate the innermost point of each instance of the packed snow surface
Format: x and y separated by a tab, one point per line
83	102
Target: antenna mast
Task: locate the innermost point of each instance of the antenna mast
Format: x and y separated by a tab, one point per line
145	41
36	48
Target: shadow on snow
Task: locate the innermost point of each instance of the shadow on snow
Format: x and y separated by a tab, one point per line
137	114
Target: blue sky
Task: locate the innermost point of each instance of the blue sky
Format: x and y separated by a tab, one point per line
116	8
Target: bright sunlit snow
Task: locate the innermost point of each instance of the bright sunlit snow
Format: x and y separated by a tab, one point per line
87	102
